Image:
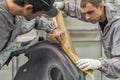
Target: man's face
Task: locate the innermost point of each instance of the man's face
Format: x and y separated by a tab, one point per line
28	12
31	15
92	13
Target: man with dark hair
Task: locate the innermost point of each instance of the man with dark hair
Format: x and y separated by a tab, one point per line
108	19
18	17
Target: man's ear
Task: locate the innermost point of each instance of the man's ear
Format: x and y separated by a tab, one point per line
101	5
28	8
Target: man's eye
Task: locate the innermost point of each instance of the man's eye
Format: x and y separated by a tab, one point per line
90	12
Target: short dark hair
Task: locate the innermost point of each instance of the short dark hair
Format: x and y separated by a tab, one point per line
95	3
38	5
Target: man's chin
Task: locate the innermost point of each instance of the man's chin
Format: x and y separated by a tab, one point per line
28	19
93	22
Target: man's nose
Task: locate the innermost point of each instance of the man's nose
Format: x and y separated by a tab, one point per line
87	16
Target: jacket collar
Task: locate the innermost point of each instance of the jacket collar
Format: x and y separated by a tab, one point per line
6	14
112	10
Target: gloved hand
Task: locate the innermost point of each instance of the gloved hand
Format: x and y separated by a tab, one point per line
87	64
59	5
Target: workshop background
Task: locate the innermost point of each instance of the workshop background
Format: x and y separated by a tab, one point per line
85	39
